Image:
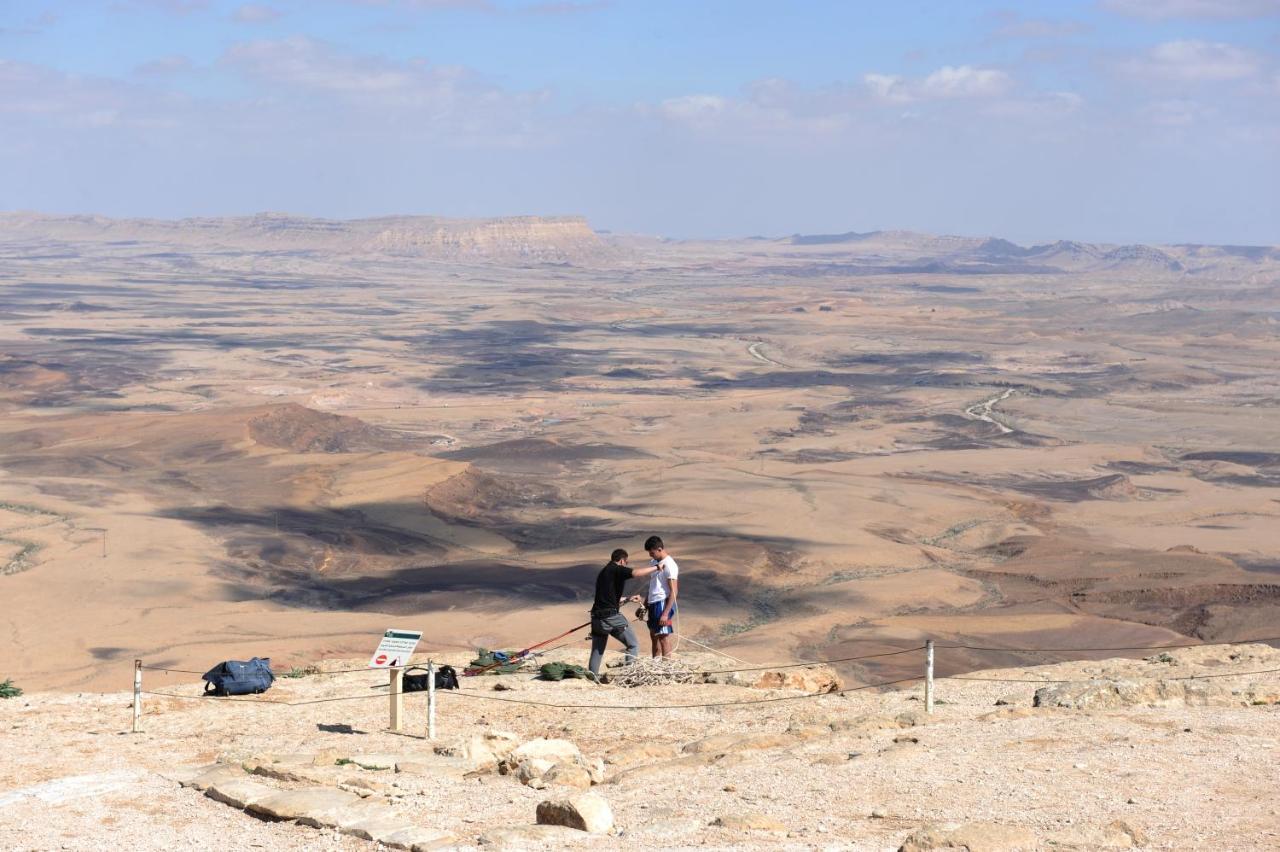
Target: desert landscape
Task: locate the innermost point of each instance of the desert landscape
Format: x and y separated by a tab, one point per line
278	436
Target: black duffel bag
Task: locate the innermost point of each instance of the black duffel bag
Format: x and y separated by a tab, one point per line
239	677
446	678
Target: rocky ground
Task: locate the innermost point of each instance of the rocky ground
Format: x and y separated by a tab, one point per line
1125	754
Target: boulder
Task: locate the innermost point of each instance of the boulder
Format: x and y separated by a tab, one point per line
555	751
568	775
482	753
971	837
748	821
1110	694
292	804
532	768
587	812
813	679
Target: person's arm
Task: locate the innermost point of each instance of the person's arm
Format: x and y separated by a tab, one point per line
636	573
665	621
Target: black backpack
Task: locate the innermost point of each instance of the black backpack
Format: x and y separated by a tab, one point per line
446	678
237	677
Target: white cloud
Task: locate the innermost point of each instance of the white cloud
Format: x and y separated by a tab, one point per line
255	13
1163	9
949	81
694	108
1192	61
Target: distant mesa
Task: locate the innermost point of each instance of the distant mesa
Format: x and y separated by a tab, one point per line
536	239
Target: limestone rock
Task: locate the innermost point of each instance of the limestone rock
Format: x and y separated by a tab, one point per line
296	773
239	792
813	679
804	733
377	828
1109	694
972	837
726	743
587	812
532	768
1116	835
210	775
419	839
555	751
291	804
748	821
634	755
328	757
358	811
483	753
522	837
568	775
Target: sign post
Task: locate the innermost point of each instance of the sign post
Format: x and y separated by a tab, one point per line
431	699
928	676
397	699
393	653
137	694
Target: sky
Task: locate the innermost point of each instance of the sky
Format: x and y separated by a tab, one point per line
1102	120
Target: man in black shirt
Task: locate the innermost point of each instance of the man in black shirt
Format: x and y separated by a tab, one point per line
606	620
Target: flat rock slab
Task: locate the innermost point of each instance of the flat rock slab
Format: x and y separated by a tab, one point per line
353	813
377	828
292	804
201	778
420	839
239	792
523	836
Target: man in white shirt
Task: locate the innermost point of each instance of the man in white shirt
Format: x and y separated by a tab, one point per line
664	587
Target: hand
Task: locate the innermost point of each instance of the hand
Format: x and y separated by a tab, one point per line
634	599
664	622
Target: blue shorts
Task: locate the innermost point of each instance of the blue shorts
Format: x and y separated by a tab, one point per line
655	614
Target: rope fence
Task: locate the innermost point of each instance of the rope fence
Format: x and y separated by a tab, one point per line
396	692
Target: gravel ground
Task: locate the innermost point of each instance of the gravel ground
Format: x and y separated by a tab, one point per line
1185	777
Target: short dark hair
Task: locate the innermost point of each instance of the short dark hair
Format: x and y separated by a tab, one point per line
653	543
618	555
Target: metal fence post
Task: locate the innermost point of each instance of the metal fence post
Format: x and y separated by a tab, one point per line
397	698
137	694
928	676
431	699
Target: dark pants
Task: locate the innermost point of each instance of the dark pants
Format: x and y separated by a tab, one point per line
619	628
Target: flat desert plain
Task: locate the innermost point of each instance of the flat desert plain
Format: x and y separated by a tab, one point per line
278	436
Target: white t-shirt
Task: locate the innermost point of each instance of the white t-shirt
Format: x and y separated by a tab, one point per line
660	580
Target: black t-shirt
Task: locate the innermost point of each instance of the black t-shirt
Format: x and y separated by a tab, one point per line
609	585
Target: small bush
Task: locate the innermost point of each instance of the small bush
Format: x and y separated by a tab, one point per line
304	671
8	690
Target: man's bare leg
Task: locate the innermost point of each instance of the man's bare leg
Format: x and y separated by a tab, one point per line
656	640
